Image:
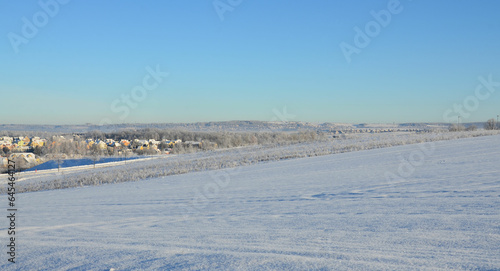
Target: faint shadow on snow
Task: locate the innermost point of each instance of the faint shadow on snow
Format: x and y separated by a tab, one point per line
327	196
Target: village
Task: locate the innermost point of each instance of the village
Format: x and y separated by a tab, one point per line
31	151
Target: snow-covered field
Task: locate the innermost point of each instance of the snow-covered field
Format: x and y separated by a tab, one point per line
364	210
153	167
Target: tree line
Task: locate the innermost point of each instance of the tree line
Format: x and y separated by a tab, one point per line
490	124
75	145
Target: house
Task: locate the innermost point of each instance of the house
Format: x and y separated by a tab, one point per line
101	145
154	142
89	143
193	143
6	138
115	145
16	139
109	141
37	142
125	142
5	143
141	144
23	143
169	143
26	157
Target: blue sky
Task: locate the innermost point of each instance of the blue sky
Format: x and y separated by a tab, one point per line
247	61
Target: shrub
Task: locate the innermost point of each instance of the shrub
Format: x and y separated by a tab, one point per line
471	128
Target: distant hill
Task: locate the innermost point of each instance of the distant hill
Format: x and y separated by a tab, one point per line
229	126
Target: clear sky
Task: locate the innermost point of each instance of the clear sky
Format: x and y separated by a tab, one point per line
77	62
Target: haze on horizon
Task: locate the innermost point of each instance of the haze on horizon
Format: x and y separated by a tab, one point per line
74	62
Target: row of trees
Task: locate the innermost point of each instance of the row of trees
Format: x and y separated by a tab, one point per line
211	140
491	124
75	145
459	127
222	139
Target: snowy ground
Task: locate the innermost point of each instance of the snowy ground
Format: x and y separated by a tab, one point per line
365	210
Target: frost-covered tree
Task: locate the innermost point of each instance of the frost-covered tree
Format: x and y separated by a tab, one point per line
40	150
490	124
456	128
471	128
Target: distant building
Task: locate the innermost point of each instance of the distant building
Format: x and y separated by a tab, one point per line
193	143
6	139
154	142
101	145
109	141
115	145
26	157
37	142
5	143
169	143
125	142
142	142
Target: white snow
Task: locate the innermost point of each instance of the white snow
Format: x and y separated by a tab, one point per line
333	212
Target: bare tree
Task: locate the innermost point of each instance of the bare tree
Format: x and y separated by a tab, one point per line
96	153
490	124
456	127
